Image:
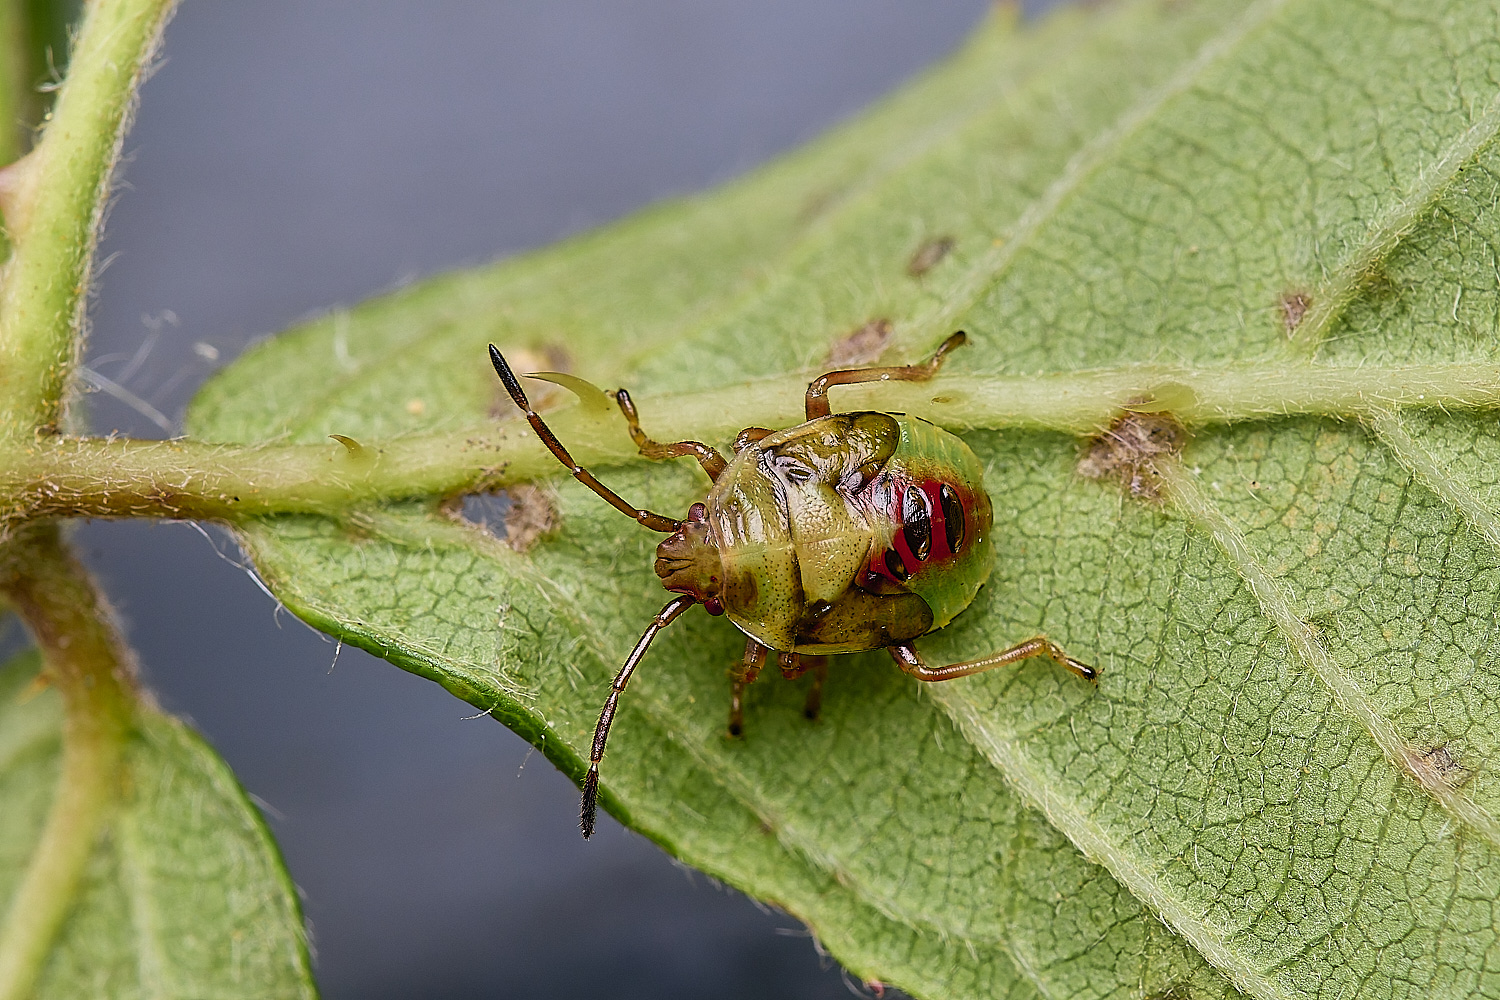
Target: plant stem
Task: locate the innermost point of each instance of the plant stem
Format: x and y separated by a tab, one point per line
55	225
14	66
109	477
84	658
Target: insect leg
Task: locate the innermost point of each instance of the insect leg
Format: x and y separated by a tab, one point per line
911	661
819	667
749	436
817	390
740	678
713	463
656	522
587	810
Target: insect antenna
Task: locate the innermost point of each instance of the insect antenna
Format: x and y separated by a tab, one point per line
589	806
656	522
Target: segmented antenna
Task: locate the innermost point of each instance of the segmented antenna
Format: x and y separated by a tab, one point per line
656	522
589	807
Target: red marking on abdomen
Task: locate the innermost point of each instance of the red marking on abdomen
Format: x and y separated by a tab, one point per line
938	550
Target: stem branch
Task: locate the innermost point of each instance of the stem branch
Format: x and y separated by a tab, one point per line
84	658
55	224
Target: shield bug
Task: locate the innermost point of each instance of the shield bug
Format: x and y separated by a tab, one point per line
849	532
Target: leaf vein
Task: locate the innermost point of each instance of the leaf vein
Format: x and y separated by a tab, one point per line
1390	229
1095	155
744	791
1137	874
1277	606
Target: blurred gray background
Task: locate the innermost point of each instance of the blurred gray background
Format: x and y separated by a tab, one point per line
292	156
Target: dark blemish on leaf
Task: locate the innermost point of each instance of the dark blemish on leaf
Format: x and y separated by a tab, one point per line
1128	450
1293	306
862	346
930	255
1437	767
518	517
548	358
533	515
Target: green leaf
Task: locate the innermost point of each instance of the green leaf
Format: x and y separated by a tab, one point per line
185	894
1280	785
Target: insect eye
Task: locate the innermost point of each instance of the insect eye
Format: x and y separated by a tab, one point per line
953	517
916	513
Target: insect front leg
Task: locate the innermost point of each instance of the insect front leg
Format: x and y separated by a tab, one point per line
749	436
794	665
740	677
907	657
817	390
713	463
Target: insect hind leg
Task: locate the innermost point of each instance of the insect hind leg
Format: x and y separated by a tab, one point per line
741	676
817	390
713	463
907	657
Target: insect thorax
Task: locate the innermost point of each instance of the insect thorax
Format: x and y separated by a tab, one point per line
839	534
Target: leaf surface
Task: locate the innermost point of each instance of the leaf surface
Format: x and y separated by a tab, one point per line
1280	785
185	894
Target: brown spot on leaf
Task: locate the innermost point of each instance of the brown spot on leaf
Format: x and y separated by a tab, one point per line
533	515
517	517
929	255
1293	306
1436	767
1128	450
862	346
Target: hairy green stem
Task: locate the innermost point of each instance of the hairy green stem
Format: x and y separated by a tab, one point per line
54	226
86	661
108	477
14	66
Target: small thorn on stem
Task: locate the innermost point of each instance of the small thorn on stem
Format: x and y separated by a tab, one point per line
353	447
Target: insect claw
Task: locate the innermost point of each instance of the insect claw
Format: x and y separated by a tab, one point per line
1083	670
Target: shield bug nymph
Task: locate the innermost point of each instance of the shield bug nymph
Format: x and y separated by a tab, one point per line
849	532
